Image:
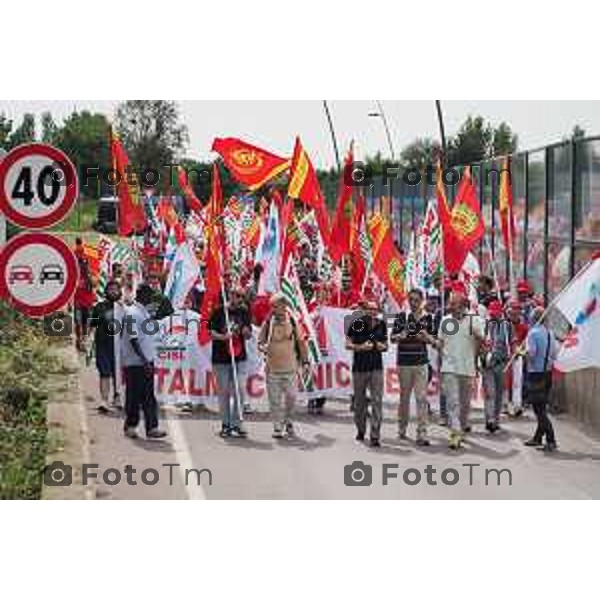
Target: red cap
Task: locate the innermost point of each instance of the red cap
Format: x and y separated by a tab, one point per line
458	287
524	286
495	309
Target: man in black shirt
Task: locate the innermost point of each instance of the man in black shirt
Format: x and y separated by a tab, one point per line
412	332
104	324
366	336
229	347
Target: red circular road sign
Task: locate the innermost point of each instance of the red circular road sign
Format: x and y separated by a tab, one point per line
38	273
38	186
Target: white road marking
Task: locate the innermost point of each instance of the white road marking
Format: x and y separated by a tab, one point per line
184	459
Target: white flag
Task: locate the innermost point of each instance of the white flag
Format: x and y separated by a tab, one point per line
184	273
580	304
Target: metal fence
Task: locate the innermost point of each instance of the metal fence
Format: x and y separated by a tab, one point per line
556	194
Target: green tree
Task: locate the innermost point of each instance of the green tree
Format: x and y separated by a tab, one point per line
84	137
152	133
24	133
478	140
49	128
420	153
505	141
5	129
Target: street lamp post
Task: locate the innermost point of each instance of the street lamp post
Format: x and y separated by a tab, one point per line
438	106
381	114
333	138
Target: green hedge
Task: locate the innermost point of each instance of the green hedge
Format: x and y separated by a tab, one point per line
25	366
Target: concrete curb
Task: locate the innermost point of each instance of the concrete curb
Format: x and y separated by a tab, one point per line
67	421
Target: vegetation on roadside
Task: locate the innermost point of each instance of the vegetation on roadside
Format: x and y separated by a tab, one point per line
25	365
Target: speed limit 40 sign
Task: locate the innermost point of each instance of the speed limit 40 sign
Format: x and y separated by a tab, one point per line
38	186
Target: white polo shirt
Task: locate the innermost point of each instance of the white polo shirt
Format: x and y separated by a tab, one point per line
459	351
137	324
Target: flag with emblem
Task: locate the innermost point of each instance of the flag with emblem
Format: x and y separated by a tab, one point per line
248	164
341	229
214	257
388	263
462	226
131	213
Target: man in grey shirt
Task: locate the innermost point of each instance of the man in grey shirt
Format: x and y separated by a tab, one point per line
137	358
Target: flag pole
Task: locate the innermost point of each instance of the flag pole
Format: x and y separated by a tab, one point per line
228	327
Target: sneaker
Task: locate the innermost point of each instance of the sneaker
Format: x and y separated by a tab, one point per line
130	432
239	431
467	429
225	432
518	413
360	437
489	426
533	443
454	441
402	435
103	409
277	433
289	430
443	422
247	408
116	402
156	433
423	442
549	447
374	443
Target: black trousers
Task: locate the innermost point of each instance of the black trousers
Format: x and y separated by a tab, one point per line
139	394
538	392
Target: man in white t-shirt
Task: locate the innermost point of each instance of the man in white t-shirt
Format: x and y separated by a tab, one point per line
461	336
138	341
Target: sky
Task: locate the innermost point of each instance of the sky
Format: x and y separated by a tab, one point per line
275	124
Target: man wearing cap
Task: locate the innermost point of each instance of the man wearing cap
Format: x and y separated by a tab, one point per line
461	336
525	297
285	350
498	333
366	337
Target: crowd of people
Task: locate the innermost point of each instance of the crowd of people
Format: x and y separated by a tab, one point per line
500	339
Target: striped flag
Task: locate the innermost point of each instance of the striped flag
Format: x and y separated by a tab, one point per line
290	288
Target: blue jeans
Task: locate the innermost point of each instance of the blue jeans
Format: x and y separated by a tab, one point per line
231	409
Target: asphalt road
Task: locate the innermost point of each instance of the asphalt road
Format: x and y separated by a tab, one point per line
312	466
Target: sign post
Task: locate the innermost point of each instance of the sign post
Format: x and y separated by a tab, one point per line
2	217
38	188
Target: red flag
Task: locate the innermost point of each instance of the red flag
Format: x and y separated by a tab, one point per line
304	185
388	264
132	215
359	270
214	253
505	207
192	200
463	226
249	165
342	223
